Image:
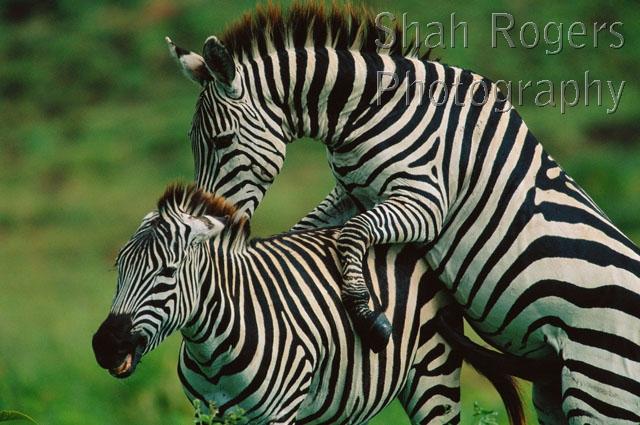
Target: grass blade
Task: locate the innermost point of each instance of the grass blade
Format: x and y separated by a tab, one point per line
12	415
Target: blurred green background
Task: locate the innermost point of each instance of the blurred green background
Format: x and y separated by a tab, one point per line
94	117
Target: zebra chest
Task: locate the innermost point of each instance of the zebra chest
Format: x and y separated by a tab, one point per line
256	381
365	197
369	181
364	188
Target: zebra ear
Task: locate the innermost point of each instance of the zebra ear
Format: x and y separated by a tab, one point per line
220	63
204	228
192	64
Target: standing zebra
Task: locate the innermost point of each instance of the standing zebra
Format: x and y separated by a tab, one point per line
539	269
263	326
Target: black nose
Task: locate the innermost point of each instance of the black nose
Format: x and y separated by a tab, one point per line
113	340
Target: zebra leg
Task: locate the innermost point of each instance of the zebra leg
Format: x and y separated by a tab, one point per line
599	385
397	220
593	396
431	394
334	210
547	400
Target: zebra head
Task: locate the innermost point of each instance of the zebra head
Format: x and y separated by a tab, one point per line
157	287
238	146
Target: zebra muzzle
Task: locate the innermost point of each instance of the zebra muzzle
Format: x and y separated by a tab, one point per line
116	348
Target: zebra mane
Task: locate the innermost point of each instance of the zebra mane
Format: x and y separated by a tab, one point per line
196	202
310	24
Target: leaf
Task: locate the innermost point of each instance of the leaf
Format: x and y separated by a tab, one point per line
12	415
485	416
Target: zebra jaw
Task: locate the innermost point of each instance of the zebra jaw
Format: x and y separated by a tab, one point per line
116	347
129	364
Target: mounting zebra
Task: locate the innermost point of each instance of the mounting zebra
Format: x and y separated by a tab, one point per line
263	325
538	268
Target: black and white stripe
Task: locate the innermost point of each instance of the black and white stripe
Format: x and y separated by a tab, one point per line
263	326
539	269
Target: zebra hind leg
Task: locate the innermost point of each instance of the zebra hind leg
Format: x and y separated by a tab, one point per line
587	398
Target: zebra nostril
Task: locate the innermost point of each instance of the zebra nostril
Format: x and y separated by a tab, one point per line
103	349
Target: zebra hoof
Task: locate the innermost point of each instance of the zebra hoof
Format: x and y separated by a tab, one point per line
378	333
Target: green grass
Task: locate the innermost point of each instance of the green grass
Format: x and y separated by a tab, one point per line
95	127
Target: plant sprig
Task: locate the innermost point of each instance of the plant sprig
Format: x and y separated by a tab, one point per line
213	417
484	416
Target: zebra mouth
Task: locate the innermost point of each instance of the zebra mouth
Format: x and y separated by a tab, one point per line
116	347
128	364
124	368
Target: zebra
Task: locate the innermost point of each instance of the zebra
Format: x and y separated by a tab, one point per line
263	325
537	267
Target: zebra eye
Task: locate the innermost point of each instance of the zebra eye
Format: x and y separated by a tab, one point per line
167	272
223	141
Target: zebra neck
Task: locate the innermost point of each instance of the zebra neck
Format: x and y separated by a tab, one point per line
233	239
323	93
218	320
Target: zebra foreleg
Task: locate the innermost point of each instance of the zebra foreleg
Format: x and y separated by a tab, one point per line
426	403
397	220
334	210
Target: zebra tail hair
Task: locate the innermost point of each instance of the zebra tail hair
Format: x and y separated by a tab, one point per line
508	390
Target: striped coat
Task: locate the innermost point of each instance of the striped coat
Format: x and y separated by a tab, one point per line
263	326
540	271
